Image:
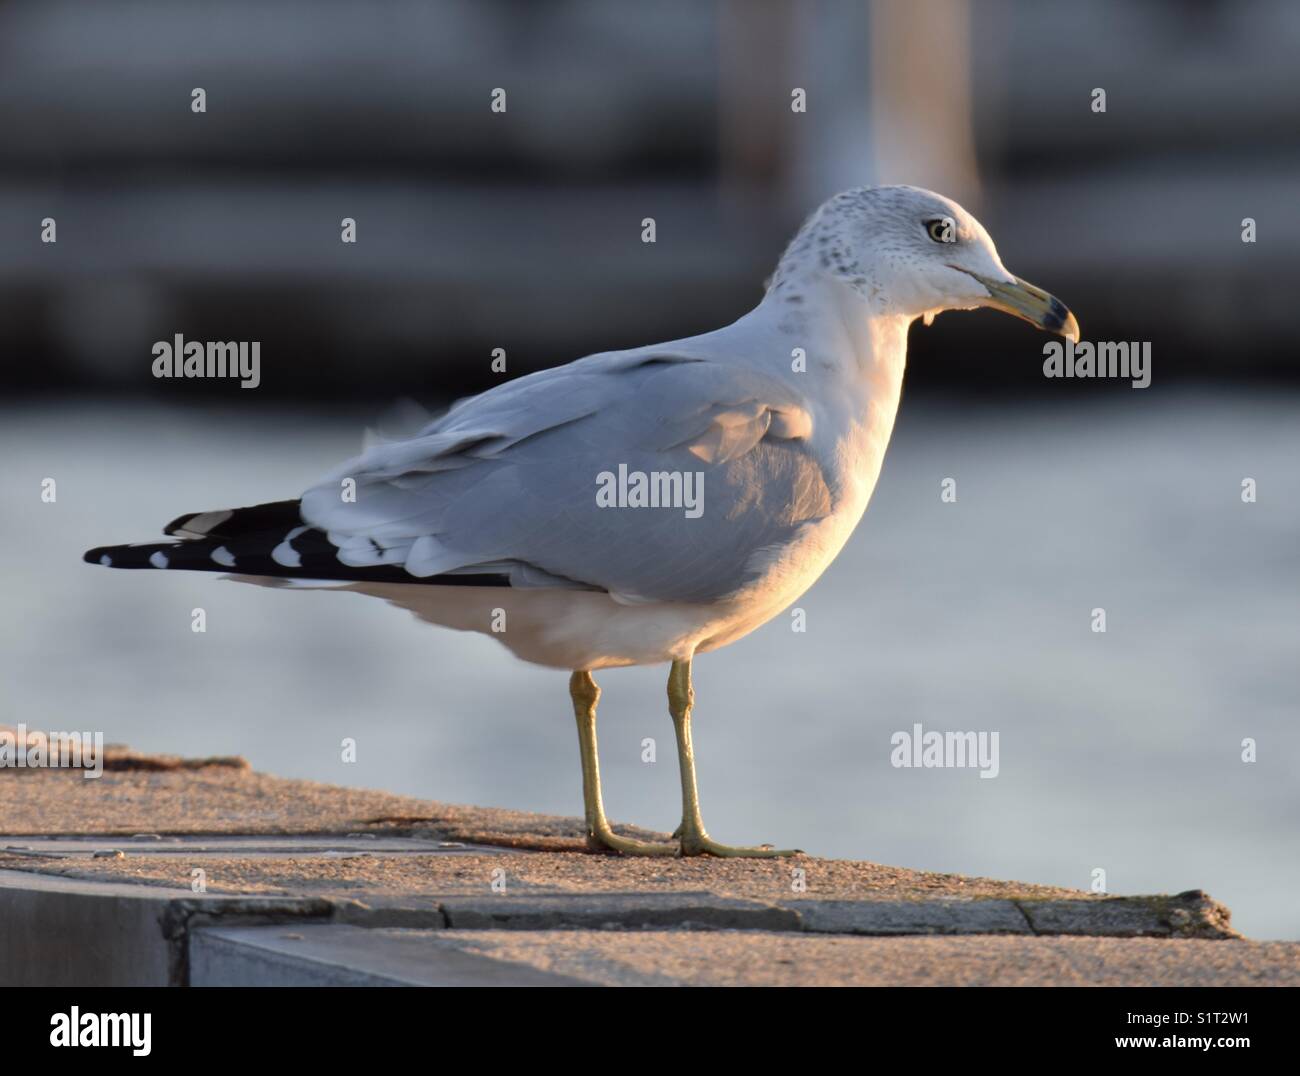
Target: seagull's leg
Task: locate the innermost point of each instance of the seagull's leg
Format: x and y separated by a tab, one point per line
695	841
585	694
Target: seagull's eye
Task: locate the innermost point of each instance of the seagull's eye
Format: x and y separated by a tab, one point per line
942	229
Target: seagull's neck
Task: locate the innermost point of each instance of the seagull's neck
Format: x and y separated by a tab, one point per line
842	331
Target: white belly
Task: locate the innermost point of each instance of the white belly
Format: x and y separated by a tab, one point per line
579	629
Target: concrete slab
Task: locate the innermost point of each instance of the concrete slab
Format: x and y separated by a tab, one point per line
70	932
418	884
305	883
226	847
473	872
911	917
616	911
314	955
165	795
735	958
1187	915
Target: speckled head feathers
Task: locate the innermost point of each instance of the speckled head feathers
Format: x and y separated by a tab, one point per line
904	249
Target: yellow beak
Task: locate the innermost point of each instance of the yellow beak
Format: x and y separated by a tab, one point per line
1022	299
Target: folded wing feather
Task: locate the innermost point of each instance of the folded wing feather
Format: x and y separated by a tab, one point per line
510	478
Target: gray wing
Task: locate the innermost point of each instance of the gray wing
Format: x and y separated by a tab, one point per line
509	480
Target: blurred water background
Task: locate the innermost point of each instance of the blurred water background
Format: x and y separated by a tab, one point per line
1119	750
521	231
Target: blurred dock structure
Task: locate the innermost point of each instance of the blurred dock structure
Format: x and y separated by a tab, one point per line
522	230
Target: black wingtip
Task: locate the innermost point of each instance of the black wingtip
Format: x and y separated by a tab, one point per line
179	522
129	556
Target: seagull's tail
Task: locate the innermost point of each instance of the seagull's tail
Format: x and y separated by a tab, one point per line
268	540
265	539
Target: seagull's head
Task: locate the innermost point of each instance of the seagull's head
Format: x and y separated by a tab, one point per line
915	253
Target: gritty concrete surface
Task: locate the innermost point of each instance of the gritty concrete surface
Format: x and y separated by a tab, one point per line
225	846
164	795
733	958
168	870
314	955
359	867
144	800
400	879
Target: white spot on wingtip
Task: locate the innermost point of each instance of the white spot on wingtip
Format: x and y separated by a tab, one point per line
223	556
158	559
284	554
106	561
199	525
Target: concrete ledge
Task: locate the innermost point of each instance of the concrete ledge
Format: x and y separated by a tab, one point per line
66	932
58	930
758	958
310	885
338	955
317	955
617	911
1192	914
1187	915
883	917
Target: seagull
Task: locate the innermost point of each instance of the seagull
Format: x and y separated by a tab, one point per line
643	506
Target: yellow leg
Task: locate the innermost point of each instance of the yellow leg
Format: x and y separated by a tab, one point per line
694	840
585	695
